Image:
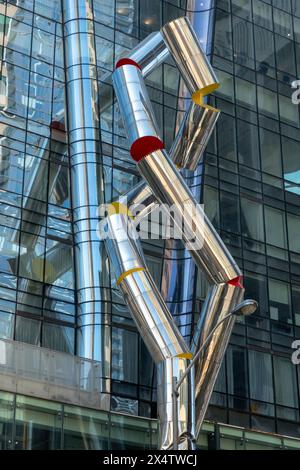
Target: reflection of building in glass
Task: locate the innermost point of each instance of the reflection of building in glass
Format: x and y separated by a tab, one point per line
250	187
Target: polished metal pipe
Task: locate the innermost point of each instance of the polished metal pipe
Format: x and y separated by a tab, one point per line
136	110
87	185
154	322
148	309
150	53
220	301
200	237
169	371
186	152
189	57
193	136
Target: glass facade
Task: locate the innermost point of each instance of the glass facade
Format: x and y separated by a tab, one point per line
251	192
252	189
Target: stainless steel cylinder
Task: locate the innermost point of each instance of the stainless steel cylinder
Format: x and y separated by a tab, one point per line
166	371
200	237
193	136
189	57
149	53
219	302
87	187
136	110
144	300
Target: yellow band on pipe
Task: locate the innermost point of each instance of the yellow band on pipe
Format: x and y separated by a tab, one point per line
198	96
126	273
118	208
185	355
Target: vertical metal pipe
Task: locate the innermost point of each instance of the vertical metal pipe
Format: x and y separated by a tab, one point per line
220	301
175	412
87	188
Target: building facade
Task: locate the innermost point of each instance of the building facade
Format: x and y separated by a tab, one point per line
76	373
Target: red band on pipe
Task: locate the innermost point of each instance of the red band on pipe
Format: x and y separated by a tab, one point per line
144	146
126	61
237	282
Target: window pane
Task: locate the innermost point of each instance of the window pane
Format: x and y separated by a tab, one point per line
128	433
6	325
267	102
223	30
291	161
243	42
124	355
59	264
285	385
245	93
282	23
230	217
262	14
85	429
288	111
260	376
257	288
237	371
9	242
38	424
6	420
226	85
296	303
59	338
150	16
28	331
226	137
242	8
264	49
211	205
32	257
280	301
275	218
248	144
270	152
294	232
252	219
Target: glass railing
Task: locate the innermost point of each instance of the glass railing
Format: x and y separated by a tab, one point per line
53	375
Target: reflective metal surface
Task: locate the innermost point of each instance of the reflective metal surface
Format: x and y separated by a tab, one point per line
140	293
190	59
185	421
141	201
193	136
87	188
220	301
150	53
135	106
155	324
200	237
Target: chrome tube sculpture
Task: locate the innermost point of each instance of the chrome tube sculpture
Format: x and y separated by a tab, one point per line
87	186
170	190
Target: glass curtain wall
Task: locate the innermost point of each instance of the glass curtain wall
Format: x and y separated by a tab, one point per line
252	195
